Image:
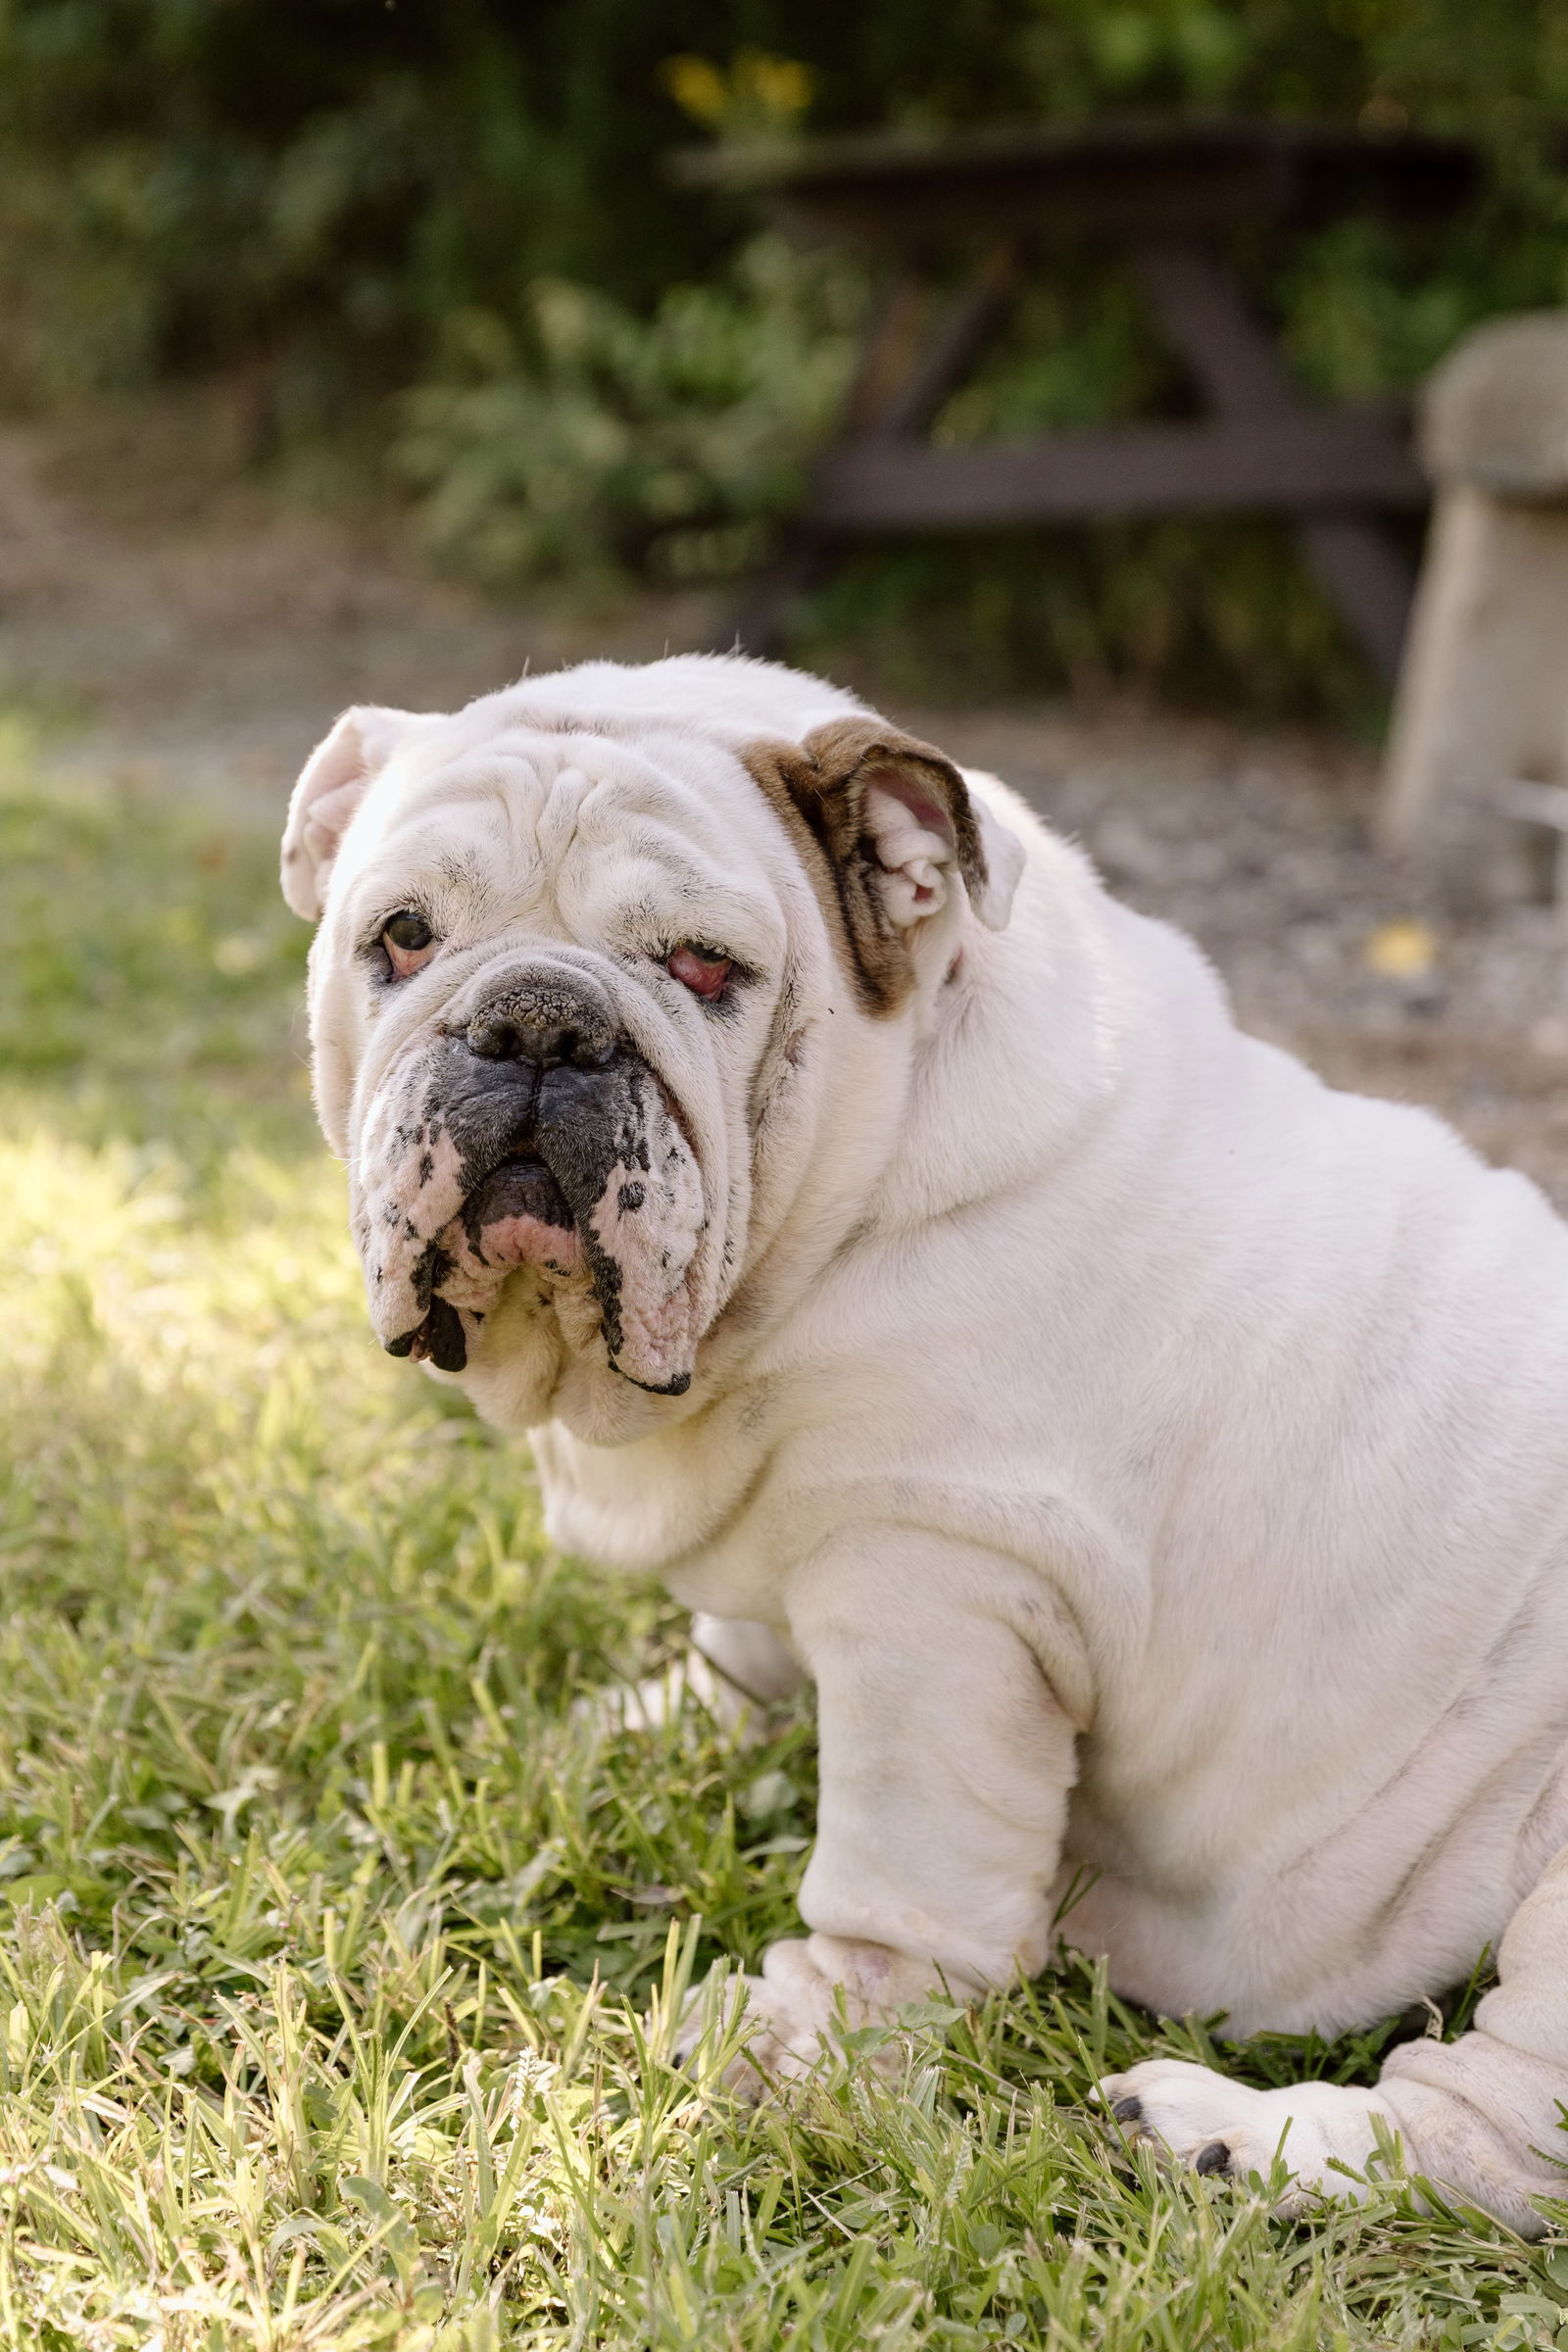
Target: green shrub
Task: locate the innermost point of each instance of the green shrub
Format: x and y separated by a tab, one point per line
322	183
348	198
594	445
593	439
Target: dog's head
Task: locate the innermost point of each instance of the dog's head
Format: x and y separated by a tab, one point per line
588	954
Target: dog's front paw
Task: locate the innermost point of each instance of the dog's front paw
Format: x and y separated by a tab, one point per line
809	1990
1323	2132
658	1698
783	2017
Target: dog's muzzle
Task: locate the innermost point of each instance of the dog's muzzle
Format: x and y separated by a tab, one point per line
530	1133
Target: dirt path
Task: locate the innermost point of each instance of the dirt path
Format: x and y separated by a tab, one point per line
203	638
206	636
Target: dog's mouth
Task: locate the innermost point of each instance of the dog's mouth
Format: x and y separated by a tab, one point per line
519	1217
516	1215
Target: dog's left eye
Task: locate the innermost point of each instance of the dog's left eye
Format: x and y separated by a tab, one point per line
409	942
700	970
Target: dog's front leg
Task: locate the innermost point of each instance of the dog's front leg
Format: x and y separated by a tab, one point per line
946	1757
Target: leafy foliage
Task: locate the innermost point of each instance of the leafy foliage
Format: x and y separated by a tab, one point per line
324	187
669	445
344	200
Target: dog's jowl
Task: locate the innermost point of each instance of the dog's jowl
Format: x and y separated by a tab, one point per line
1157	1460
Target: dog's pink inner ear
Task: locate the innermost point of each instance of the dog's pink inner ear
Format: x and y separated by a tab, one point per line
330	788
915	842
332	785
929	813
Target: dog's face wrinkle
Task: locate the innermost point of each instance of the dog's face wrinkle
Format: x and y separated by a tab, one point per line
782	1057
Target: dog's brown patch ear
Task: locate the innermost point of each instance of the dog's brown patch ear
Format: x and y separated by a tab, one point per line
894	830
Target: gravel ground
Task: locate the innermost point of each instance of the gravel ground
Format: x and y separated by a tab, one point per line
203	639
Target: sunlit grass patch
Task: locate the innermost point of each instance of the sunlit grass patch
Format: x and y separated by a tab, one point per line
340	1945
152	977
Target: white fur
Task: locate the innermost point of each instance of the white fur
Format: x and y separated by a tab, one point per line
1157	1459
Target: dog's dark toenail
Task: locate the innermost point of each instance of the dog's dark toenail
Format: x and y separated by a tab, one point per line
1215	2158
1128	2110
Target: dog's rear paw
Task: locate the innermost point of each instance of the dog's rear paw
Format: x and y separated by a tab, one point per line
1323	2132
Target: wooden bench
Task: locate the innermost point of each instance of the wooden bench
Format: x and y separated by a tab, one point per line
1166	201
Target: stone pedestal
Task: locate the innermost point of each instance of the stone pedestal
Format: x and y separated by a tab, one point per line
1483	694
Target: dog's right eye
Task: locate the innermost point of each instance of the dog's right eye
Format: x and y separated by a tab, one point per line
409	942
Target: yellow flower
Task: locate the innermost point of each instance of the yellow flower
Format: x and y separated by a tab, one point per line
1401	950
698	88
758	93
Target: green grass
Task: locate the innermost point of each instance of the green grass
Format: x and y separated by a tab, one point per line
338	1953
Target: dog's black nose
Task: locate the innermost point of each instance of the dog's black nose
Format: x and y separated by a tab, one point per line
544	1023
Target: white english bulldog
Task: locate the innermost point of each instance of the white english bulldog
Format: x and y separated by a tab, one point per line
1157	1460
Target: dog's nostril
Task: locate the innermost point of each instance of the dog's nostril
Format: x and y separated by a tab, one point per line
489	1038
519	1032
515	1037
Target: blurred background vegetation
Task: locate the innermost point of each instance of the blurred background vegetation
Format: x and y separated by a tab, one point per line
436	238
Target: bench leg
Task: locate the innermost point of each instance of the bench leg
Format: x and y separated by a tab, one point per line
1368	578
